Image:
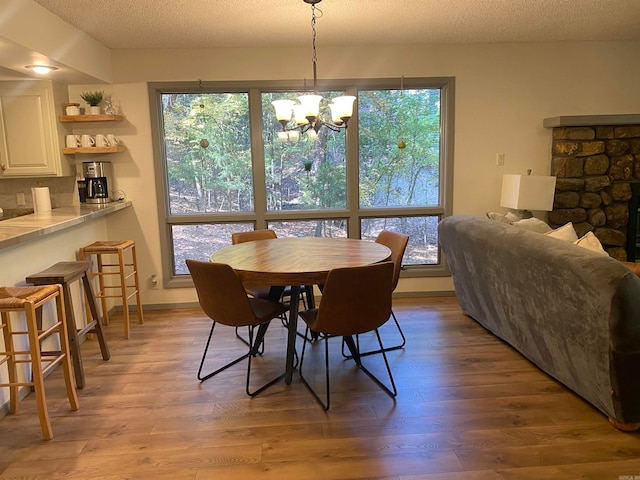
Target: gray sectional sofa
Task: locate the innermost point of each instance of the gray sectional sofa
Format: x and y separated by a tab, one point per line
572	312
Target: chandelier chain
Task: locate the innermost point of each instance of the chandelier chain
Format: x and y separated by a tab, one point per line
314	56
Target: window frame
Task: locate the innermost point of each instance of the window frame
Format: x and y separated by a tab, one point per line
261	216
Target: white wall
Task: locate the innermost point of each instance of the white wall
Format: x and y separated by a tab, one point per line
503	93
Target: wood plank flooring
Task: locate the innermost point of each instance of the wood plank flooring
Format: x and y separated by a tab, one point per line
469	407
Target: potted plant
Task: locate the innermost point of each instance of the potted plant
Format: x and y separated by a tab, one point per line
93	99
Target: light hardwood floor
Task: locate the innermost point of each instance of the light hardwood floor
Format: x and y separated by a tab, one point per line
469	407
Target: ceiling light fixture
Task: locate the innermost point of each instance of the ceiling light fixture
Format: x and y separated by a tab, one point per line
306	114
41	69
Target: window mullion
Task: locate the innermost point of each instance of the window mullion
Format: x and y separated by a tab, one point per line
257	158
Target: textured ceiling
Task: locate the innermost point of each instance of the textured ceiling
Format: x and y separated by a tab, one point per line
250	23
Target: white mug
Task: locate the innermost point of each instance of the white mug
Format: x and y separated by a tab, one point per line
112	140
73	141
87	141
73	110
101	140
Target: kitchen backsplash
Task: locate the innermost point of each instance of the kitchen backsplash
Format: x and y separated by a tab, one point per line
64	191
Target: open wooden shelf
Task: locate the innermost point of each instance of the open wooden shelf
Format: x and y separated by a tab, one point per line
72	151
91	118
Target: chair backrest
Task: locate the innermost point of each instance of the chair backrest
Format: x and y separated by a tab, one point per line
355	300
240	237
397	243
221	294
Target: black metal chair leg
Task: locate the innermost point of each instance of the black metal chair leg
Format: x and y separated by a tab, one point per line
387	349
258	340
326	404
393	391
204	355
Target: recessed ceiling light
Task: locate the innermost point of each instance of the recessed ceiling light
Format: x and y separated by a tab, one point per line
41	69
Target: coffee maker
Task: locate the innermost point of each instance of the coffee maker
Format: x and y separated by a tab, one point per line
98	179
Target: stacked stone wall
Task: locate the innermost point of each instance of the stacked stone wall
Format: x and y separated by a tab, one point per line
595	167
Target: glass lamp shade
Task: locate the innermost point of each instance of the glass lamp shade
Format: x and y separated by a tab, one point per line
335	114
283	109
528	192
283	136
298	113
294	135
310	105
343	107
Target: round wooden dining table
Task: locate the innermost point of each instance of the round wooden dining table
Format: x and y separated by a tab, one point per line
294	262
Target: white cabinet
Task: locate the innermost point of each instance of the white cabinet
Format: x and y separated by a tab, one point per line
29	132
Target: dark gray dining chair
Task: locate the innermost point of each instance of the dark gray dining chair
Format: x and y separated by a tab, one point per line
354	300
224	300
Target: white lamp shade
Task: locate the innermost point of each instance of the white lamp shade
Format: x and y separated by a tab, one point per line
283	109
528	192
344	106
298	114
335	114
310	105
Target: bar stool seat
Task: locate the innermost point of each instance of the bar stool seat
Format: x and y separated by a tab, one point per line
65	273
29	300
124	271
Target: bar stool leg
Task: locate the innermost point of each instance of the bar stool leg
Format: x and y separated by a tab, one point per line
103	300
66	361
11	364
72	335
91	303
137	283
125	297
36	369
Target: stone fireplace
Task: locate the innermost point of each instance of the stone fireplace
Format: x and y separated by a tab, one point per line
596	160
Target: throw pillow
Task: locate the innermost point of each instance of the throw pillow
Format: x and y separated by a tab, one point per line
590	242
534	224
512	217
565	232
499	217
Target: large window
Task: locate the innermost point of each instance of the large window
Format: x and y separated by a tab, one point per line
222	168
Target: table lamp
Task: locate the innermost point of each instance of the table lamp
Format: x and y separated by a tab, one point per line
528	192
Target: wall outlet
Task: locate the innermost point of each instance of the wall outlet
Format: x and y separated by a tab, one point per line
153	279
20	199
500	159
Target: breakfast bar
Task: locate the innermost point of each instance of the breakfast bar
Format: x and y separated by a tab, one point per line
27	228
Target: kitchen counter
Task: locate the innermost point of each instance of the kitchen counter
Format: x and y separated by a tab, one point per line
37	225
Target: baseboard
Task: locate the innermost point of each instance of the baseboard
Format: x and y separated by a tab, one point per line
178	306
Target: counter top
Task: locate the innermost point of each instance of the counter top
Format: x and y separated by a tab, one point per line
32	227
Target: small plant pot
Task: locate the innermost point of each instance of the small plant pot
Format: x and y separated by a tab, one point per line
94	110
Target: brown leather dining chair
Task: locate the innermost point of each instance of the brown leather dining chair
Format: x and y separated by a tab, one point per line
223	299
258	291
354	300
397	243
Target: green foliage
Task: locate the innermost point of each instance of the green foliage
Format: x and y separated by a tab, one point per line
92	98
392	176
305	174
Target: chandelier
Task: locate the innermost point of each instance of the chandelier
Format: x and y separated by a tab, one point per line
306	114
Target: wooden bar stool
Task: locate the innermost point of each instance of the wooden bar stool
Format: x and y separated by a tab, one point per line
28	300
124	271
64	273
